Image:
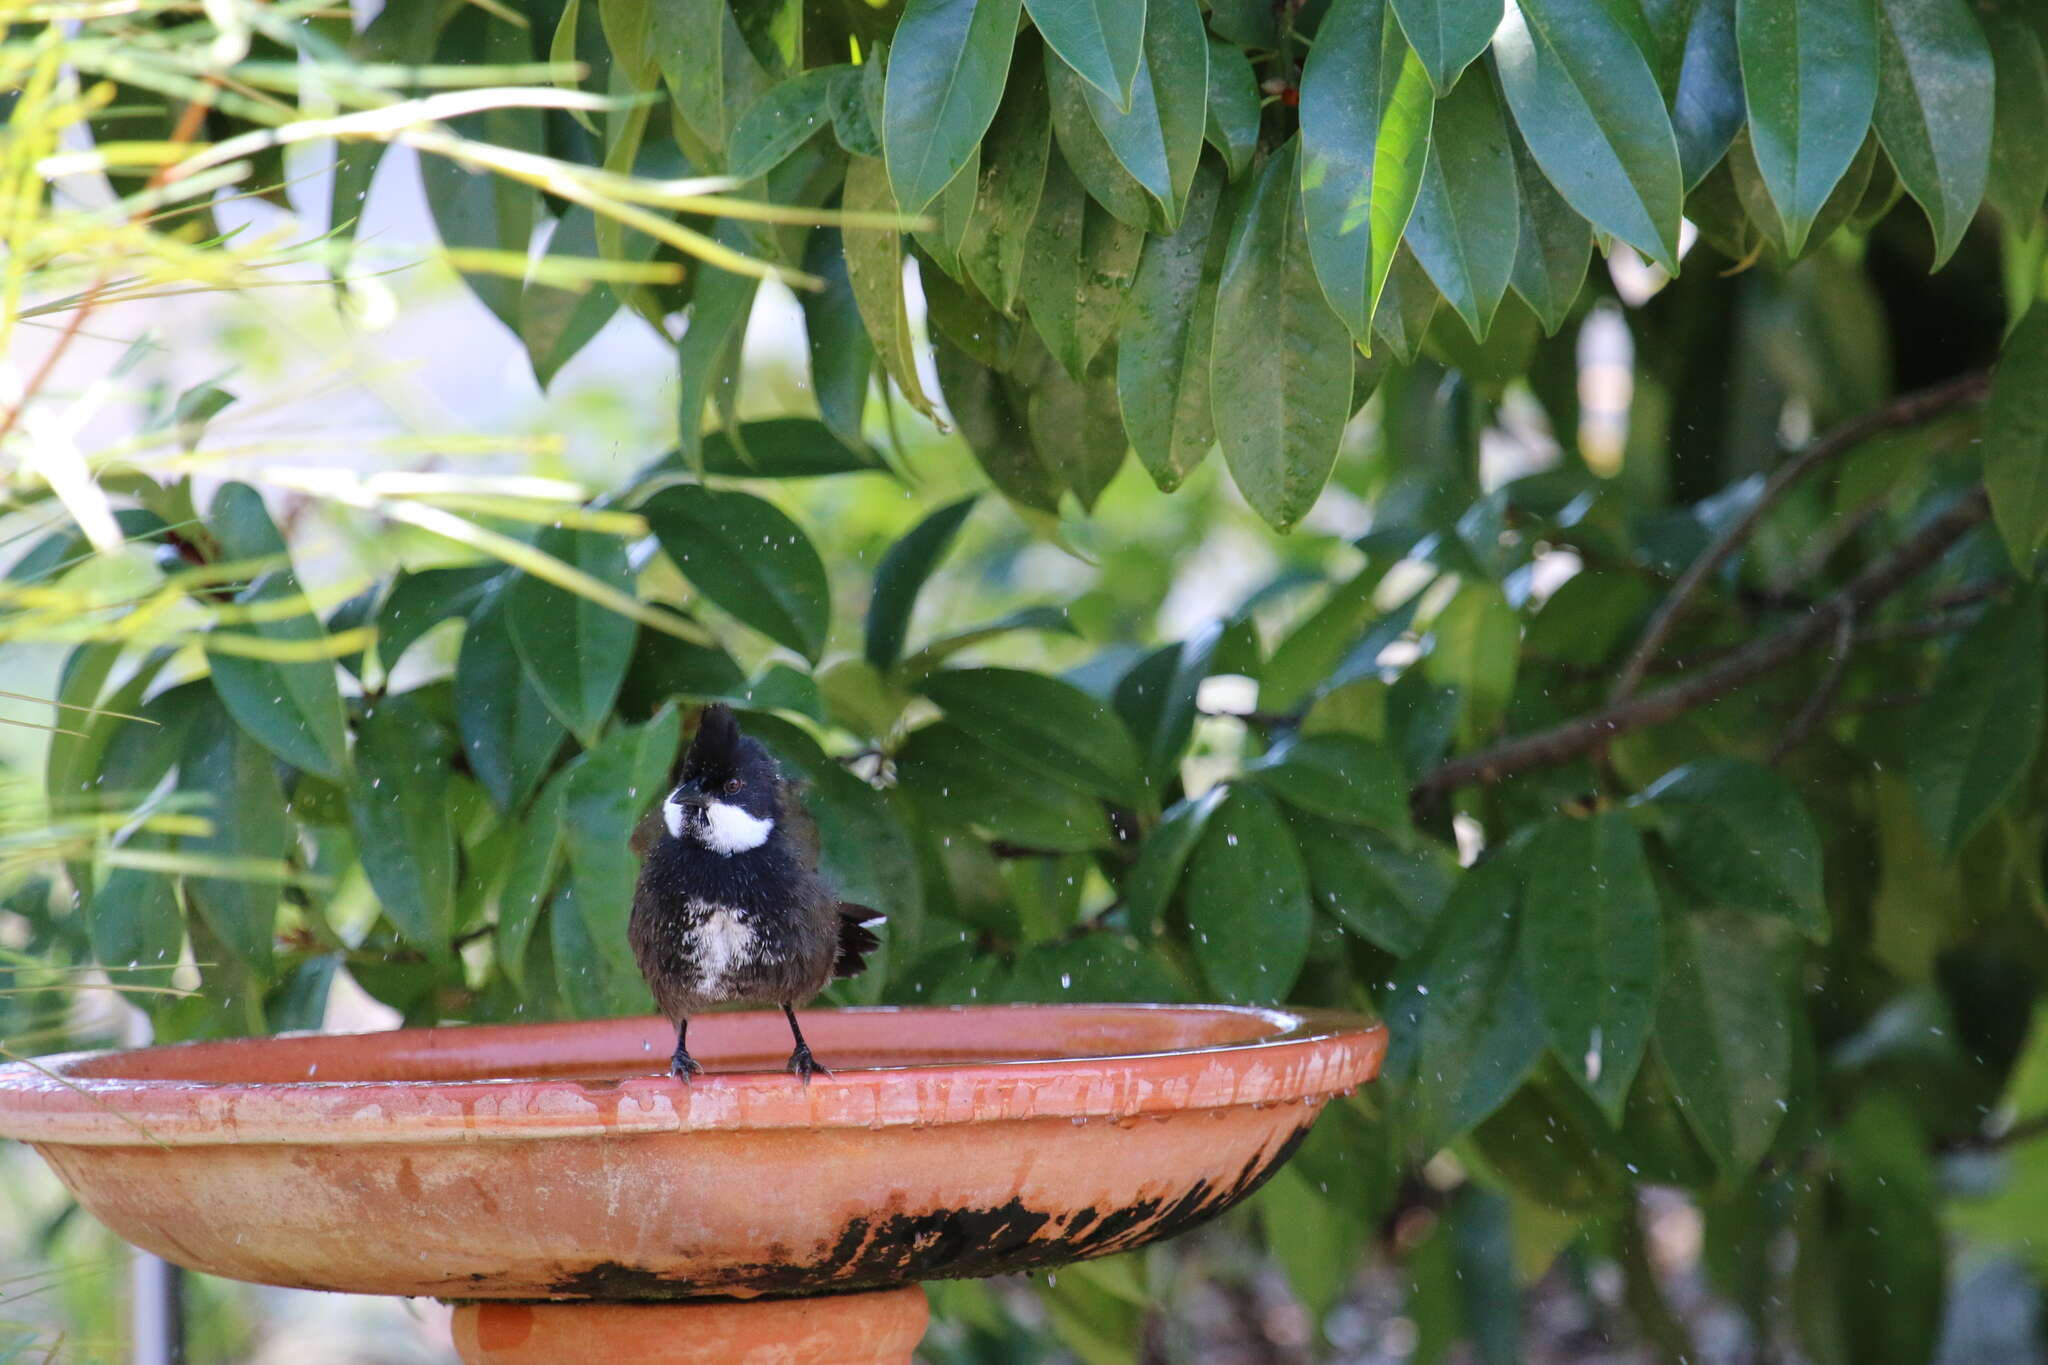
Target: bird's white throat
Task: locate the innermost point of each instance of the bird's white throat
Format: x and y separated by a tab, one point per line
726	829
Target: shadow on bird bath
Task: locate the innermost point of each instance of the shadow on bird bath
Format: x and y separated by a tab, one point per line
575	1202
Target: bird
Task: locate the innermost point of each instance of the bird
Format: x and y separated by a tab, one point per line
731	905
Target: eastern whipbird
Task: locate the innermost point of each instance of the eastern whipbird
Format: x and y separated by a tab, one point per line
731	905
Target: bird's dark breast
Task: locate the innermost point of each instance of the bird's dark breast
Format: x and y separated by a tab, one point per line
709	929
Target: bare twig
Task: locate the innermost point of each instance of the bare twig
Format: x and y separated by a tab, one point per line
1909	410
1816	706
1574	737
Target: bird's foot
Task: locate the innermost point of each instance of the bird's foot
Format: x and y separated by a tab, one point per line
803	1065
683	1066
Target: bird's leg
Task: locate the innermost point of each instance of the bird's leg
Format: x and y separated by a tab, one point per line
802	1064
683	1065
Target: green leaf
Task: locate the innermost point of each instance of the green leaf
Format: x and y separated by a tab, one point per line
854	99
949	214
509	733
1589	107
711	74
1809	71
991	421
747	558
946	71
1248	901
556	323
1385	894
842	357
1013	164
2016	440
1049	726
1077	425
398	805
1708	108
417	602
1162	369
1094	164
1447	35
293	709
2019	173
574	650
708	352
1725	1027
1934	110
1406	307
536	861
1076	296
1156	699
1974	737
901	577
135	918
773	448
1102	40
1464	1026
1280	367
1476	647
1148	888
1593	948
874	267
1337	776
786	116
605	791
1232	126
1158	138
1741	837
1467	214
235	783
1365	117
959	781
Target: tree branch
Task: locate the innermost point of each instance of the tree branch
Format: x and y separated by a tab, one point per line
1815	708
1909	410
1574	737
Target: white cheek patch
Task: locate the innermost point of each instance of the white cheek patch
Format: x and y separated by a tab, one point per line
672	816
729	830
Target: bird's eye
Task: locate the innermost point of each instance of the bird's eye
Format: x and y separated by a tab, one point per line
733	785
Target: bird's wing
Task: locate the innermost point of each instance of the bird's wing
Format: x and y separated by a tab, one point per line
798	824
644	835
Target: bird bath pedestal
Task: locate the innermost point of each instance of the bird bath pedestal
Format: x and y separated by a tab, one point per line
577	1205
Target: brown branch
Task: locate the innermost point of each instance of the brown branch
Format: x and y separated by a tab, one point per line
1909	410
1815	708
1574	737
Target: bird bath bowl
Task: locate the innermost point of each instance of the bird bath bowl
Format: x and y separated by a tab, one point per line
577	1203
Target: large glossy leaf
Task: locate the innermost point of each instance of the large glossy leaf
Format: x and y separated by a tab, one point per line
536	863
1159	138
1162	372
901	576
946	72
1467	213
1233	120
1076	424
1593	947
1148	888
1079	263
574	650
556	323
708	352
1974	737
786	116
1248	901
1934	109
773	448
2016	440
712	75
1725	1030
1156	698
508	731
874	265
1365	119
135	920
1102	40
1464	1028
1386	894
2019	173
417	602
1553	244
1280	366
961	782
1809	70
1476	648
1707	108
1447	35
398	803
992	423
1045	724
1337	776
1013	162
605	791
292	709
1588	105
1095	165
234	784
749	559
842	357
1741	837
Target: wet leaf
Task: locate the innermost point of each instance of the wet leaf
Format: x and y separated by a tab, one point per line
2016	440
960	781
574	651
1935	108
947	66
1388	895
398	805
901	576
1162	371
1149	887
509	733
1248	900
874	267
1974	737
1725	1032
1049	726
749	559
1740	836
1337	776
1809	70
1467	212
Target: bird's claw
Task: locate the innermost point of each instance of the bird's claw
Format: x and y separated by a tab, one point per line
682	1066
803	1065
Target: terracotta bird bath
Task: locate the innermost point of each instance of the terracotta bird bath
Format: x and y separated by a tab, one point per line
578	1204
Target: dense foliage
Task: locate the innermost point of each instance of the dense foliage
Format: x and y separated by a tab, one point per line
1656	752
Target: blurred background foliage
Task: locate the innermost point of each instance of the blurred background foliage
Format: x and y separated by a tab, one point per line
1642	715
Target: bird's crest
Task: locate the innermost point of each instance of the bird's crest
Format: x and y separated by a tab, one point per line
717	746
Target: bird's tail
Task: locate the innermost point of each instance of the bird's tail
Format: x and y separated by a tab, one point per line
856	938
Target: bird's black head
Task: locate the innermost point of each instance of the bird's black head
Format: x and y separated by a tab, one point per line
726	800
